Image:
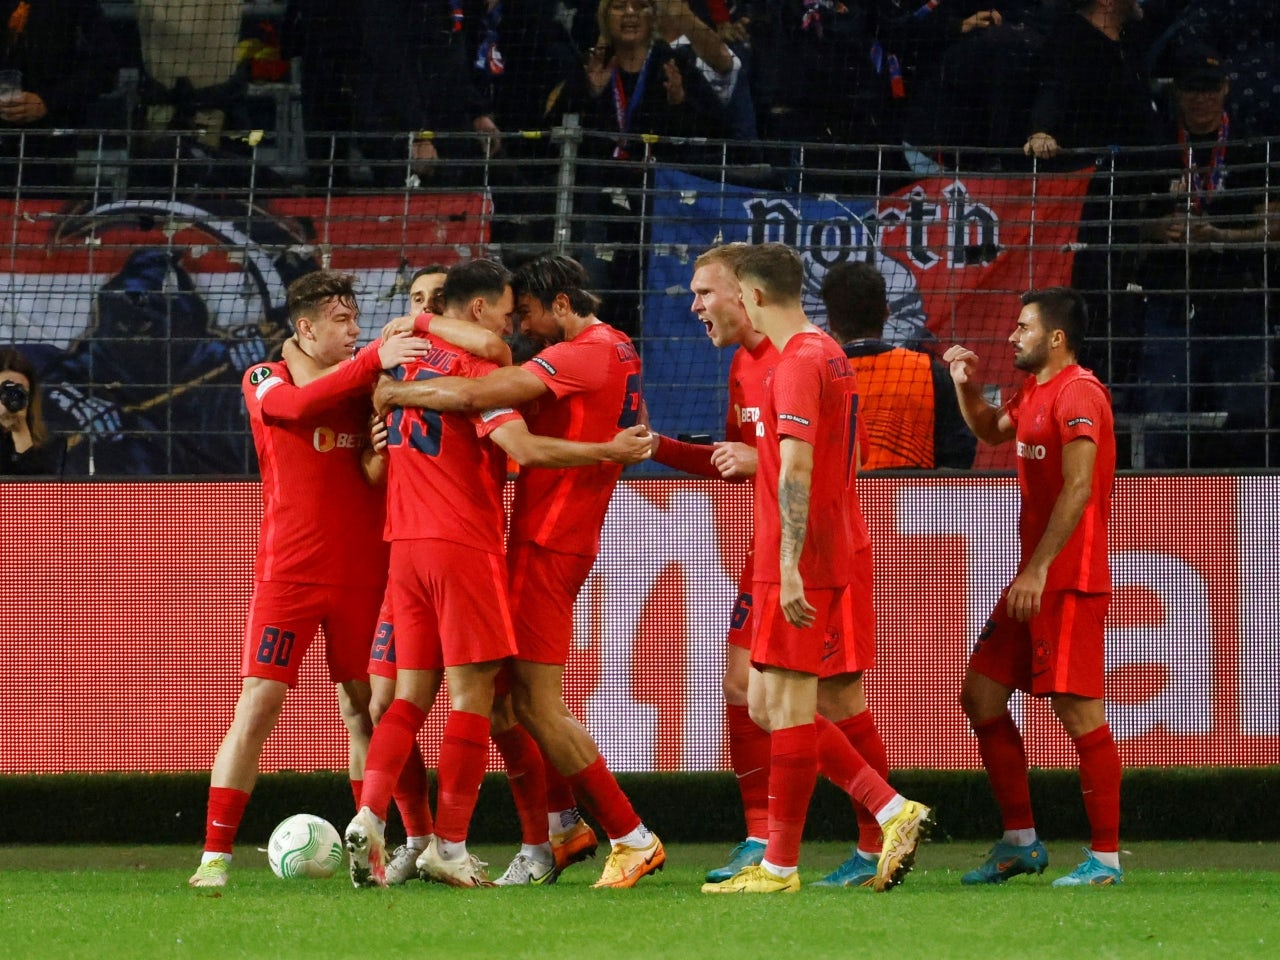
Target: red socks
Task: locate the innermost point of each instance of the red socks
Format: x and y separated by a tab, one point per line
860	730
599	792
1000	746
526	773
1100	784
749	756
793	769
559	791
840	763
356	787
464	751
226	810
410	794
393	740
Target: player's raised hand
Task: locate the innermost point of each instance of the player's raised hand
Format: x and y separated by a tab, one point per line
631	445
400	348
735	460
398	325
962	362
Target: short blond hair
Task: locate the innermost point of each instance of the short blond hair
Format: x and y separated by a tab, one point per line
727	254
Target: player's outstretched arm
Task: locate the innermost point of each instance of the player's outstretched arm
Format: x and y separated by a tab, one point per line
795	477
532	450
991	425
471	337
504	387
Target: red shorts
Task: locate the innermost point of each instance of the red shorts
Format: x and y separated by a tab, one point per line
283	620
1059	650
382	653
544	586
740	628
862	625
450	605
820	649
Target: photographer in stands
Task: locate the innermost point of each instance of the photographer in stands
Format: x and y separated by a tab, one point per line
24	445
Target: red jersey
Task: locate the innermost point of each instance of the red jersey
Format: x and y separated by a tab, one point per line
445	476
747	371
321	520
1048	416
812	395
595	386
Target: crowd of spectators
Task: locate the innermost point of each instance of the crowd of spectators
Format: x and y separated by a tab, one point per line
938	77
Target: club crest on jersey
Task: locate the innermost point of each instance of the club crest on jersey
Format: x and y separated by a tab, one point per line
324	440
259	375
544	365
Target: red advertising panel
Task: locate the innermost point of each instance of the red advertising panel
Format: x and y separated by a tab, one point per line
123	606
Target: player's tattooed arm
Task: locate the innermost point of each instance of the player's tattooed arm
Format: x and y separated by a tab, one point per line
794	485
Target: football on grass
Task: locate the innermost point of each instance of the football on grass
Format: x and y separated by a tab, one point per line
305	846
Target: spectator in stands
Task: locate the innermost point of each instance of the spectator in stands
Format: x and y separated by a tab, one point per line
635	83
1094	95
718	63
65	57
1093	92
971	78
191	81
1206	347
408	78
905	396
1245	32
25	446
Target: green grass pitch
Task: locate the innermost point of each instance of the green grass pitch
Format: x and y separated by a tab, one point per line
1201	900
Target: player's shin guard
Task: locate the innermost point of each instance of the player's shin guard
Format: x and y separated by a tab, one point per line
1000	746
749	755
1100	783
393	739
860	730
527	778
464	750
225	811
840	763
599	792
792	770
410	794
559	790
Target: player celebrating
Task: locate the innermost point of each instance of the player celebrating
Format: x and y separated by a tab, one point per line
1045	636
718	304
448	581
806	544
584	386
321	560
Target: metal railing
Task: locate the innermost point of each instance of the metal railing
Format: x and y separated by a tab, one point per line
146	269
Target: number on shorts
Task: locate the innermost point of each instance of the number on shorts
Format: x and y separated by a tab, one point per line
384	643
276	646
741	612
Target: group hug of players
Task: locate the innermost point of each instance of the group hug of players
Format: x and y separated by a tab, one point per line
389	525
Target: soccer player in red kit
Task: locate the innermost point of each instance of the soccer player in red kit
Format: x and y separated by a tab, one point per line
807	579
718	304
321	560
412	788
584	386
1045	636
448	582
